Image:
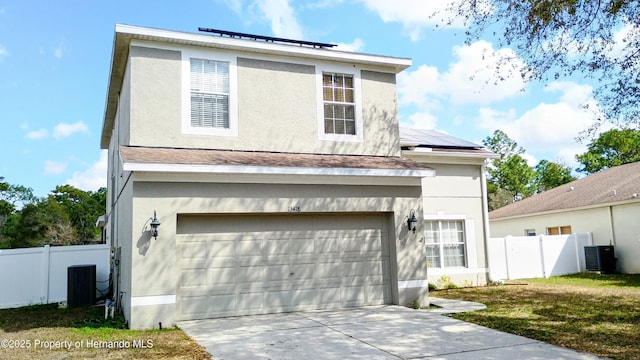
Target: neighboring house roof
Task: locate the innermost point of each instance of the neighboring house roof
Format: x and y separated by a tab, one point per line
614	185
434	144
148	158
124	34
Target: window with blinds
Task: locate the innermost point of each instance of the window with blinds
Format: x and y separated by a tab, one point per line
339	104
209	93
445	242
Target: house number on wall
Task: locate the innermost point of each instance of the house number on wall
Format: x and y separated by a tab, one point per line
294	208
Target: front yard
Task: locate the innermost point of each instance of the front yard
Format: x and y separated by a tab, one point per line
47	332
598	314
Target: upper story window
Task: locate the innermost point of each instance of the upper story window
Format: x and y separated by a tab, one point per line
339	104
209	96
209	93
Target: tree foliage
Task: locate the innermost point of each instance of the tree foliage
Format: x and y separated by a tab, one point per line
67	216
612	148
510	174
551	174
510	178
596	39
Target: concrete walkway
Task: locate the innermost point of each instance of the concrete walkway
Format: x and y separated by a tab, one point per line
376	332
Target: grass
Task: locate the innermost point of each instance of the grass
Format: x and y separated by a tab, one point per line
42	330
597	314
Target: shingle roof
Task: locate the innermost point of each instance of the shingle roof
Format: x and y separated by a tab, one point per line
131	154
620	183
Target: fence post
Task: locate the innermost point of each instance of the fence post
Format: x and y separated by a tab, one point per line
46	267
541	247
577	247
506	255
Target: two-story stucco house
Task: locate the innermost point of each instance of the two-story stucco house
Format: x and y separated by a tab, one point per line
275	171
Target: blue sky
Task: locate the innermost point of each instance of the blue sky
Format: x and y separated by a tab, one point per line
55	57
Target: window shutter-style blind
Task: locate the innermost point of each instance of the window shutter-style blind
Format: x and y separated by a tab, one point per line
209	93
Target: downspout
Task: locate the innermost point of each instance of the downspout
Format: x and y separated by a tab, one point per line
612	241
485	214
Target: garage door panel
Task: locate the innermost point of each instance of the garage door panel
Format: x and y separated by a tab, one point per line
249	247
303	271
276	247
277	300
194	250
193	277
251	302
247	273
222	248
277	272
304	297
280	263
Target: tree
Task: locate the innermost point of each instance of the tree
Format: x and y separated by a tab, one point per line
67	216
550	175
597	39
510	177
11	197
82	207
612	148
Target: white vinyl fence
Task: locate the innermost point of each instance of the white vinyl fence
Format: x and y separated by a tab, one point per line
522	257
39	275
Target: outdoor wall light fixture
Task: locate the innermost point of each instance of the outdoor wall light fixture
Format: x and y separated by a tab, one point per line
154	225
412	221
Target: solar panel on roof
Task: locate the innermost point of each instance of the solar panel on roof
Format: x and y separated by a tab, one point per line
234	34
417	137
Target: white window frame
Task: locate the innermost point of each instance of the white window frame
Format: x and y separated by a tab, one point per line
357	98
469	242
215	55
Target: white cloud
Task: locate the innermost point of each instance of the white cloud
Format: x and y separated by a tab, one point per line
356	46
547	127
478	75
322	4
282	17
416	15
92	178
54	168
60	50
234	5
422	120
483	75
3	52
64	130
37	134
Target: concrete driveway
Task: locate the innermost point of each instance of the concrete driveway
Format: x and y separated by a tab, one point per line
380	332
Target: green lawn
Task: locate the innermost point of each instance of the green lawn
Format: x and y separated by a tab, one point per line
598	314
49	332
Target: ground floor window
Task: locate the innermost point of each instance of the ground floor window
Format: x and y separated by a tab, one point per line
445	243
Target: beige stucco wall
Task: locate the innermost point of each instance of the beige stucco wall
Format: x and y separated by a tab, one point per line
154	270
595	220
617	224
456	193
626	225
277	107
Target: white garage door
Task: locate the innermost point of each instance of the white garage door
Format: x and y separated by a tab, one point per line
240	265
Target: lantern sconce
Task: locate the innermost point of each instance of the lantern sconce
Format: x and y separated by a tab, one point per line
412	221
155	223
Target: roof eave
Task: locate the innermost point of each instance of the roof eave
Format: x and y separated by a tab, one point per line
445	157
